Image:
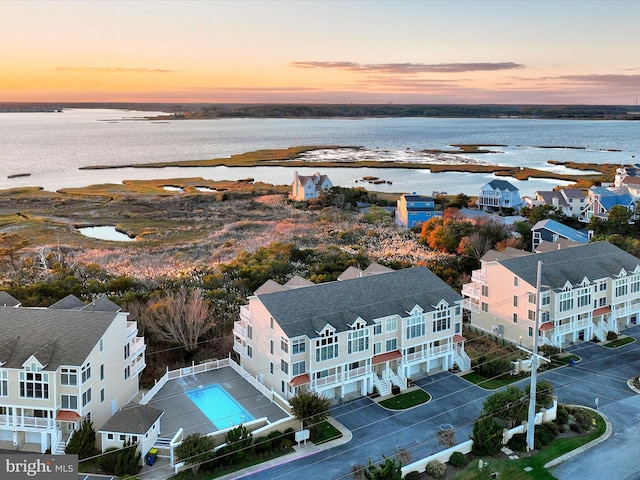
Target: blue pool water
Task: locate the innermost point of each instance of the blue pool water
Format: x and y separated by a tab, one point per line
219	407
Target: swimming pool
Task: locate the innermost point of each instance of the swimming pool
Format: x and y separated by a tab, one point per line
219	407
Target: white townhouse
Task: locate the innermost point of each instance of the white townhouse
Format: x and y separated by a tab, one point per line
351	336
570	201
61	365
499	194
308	187
586	291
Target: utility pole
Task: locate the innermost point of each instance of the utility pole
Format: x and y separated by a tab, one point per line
531	419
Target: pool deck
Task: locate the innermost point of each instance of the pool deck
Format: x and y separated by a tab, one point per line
181	412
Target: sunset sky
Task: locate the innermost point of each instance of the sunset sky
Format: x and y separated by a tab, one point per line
321	51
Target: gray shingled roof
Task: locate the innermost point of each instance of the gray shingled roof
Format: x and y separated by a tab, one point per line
305	311
56	337
592	260
502	185
70	302
7	300
102	304
134	419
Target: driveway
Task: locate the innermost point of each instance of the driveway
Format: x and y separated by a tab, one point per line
599	379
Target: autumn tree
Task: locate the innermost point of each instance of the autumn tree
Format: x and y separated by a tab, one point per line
179	317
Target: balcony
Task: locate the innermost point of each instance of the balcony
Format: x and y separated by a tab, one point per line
26	422
138	365
478	276
470	290
427	353
573	326
328	380
239	330
137	346
244	312
357	372
132	329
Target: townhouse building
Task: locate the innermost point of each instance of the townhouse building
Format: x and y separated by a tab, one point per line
345	338
601	200
570	201
413	210
586	291
61	365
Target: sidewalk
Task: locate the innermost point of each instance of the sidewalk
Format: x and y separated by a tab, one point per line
162	470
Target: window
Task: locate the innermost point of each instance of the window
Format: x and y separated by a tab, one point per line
546	299
635	284
358	340
249	351
282	387
34	385
532	297
531	331
298	346
284	345
377	329
4	383
284	367
391	344
271	323
415	327
127	351
271	346
485	290
85	373
102	372
377	348
69	402
515	281
86	397
603	286
102	395
602	302
101	345
531	315
69	377
621	287
566	301
249	332
391	325
515	318
298	368
127	372
326	347
544	317
441	319
109	436
515	300
584	297
122	438
485	307
458	328
271	368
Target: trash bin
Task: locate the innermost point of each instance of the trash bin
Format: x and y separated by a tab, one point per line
150	458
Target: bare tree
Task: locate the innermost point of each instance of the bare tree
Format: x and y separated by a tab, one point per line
180	317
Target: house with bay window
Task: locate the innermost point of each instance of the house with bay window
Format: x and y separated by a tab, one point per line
346	338
61	365
585	291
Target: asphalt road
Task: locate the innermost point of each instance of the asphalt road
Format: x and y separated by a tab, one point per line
598	380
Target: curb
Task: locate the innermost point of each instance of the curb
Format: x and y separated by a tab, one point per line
607	433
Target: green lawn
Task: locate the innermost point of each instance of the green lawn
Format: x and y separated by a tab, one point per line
326	432
618	342
514	469
406	400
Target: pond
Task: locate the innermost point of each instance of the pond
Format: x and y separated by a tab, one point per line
105	232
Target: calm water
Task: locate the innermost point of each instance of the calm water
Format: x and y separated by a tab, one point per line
52	146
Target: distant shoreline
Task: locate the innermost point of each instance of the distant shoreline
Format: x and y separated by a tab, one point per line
194	111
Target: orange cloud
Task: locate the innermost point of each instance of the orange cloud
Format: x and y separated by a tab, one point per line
404	68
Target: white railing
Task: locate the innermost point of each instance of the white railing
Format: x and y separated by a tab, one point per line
244	312
462	359
410	357
239	330
32	422
138	365
471	304
478	276
440	349
572	326
137	346
249	378
321	382
471	291
382	385
356	372
132	329
397	379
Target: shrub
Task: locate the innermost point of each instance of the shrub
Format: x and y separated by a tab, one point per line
276	439
611	335
290	433
562	416
412	476
107	461
436	469
82	441
458	459
262	445
518	443
542	437
357	471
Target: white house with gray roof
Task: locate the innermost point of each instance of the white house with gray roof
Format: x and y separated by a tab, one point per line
347	337
498	194
308	187
586	291
62	365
